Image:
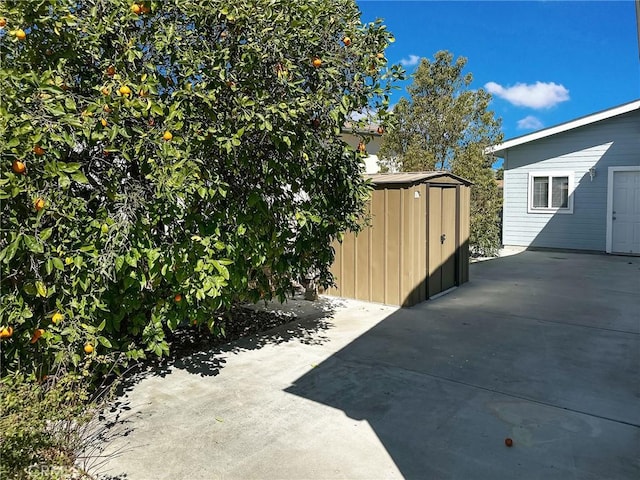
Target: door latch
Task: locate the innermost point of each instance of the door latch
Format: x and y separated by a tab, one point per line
443	237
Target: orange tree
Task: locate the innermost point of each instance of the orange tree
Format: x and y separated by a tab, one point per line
163	160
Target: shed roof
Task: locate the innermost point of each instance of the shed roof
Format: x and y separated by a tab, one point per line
414	177
498	150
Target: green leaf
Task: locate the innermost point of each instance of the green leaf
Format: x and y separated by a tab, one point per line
157	109
69	167
41	289
221	269
30	289
80	177
63	181
58	264
10	250
45	234
104	341
33	244
69	104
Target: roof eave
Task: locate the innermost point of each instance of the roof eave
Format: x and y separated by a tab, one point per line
498	150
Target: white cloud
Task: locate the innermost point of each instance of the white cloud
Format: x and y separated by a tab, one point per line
368	113
411	61
530	123
538	95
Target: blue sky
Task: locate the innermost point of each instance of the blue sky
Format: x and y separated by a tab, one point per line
546	62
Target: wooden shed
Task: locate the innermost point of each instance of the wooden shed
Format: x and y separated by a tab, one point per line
417	243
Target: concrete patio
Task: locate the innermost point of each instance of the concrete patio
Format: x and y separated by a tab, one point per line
540	347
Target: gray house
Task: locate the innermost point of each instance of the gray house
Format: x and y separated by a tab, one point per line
575	185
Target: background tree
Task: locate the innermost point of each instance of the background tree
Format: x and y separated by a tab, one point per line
445	125
164	160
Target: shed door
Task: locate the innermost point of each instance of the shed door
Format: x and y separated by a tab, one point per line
625	219
442	239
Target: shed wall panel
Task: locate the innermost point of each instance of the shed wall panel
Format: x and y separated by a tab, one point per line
410	268
349	267
378	246
362	265
422	245
464	226
393	236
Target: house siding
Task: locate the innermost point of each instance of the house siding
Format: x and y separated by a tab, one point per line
611	142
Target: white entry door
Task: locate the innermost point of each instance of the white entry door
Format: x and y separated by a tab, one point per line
623	224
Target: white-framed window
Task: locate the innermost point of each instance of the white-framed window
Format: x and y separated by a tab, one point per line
550	192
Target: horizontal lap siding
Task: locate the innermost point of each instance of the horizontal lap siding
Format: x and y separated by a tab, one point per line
613	142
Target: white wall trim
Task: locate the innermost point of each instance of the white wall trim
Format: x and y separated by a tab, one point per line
611	172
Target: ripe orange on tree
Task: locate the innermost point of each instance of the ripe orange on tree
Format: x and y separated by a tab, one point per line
178	298
18	167
346	41
316	62
20	35
3	22
135	8
39	203
6	332
103	122
37	333
167	135
38	150
124	90
88	348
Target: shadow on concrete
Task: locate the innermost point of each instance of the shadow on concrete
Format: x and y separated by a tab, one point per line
549	361
202	354
298	320
112	421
